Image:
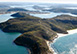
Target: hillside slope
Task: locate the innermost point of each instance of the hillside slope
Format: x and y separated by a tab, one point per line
35	31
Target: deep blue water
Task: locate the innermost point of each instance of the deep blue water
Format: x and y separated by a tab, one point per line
6	40
66	44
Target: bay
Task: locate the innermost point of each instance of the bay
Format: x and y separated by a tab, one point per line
6	40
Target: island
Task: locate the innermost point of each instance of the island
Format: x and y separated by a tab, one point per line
62	10
16	9
37	31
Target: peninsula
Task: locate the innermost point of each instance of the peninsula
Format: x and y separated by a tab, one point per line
36	31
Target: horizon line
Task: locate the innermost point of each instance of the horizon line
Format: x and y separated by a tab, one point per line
39	2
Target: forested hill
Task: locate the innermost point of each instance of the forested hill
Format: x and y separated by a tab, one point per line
36	30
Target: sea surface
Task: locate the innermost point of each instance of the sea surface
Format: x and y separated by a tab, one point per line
51	15
6	40
4	17
66	44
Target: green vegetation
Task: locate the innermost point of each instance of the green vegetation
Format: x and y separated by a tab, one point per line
65	21
36	30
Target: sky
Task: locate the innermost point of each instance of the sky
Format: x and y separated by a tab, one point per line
43	1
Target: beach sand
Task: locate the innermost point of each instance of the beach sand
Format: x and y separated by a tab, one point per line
69	32
60	35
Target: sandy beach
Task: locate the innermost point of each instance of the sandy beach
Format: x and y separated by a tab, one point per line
60	35
69	32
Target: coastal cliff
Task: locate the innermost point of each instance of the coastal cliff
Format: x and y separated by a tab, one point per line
36	31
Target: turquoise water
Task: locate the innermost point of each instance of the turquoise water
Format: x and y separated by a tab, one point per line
66	44
6	40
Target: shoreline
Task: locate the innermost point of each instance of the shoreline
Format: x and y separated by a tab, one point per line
60	35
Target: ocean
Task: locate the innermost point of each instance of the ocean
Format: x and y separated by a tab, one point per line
66	44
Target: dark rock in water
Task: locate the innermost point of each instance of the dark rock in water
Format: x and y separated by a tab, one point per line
35	31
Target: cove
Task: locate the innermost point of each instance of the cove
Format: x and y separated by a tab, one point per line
6	40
